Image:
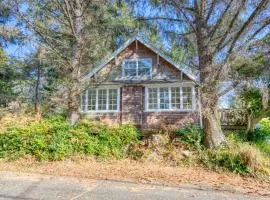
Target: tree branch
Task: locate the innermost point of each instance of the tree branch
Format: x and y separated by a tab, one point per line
219	21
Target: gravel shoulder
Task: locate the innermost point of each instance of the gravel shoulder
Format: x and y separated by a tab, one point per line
143	173
14	185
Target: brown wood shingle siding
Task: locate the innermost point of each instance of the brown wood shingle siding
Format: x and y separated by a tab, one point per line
132	95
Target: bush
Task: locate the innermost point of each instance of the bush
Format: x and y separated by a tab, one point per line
241	158
191	135
261	133
55	139
265	126
264	147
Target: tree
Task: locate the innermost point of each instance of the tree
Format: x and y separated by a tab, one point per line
76	34
7	34
221	31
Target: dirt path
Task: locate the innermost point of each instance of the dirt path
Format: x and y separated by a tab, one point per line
127	170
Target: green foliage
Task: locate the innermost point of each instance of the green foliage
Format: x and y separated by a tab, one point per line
191	135
224	158
241	158
252	101
55	139
264	147
257	135
260	133
7	76
265	126
250	67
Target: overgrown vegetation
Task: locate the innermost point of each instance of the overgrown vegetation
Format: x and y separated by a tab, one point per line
55	139
185	146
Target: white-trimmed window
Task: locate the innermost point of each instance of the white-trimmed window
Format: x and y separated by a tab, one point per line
152	98
137	68
187	98
170	98
175	98
100	100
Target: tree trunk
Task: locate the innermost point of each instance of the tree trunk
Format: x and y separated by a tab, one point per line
73	106
77	51
214	136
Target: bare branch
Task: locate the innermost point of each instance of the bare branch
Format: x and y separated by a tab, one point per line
246	24
212	6
227	32
219	21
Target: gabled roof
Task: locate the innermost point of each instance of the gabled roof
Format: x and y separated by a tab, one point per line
186	70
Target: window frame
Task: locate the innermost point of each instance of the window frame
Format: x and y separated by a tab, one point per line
97	104
137	67
169	86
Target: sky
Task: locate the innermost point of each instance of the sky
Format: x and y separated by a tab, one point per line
22	50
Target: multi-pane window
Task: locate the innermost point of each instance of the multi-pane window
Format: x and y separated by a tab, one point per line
100	100
83	101
137	68
164	98
152	98
112	104
187	97
129	68
144	67
92	99
170	98
175	98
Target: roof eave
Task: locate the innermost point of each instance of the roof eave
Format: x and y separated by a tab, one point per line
148	45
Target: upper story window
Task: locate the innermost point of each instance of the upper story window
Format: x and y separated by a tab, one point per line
137	68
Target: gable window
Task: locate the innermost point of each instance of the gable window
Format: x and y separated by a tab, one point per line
170	98
137	68
100	100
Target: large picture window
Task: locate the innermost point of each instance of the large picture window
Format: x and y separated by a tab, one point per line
170	98
137	68
96	100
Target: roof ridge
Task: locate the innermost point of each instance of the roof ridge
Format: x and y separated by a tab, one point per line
149	45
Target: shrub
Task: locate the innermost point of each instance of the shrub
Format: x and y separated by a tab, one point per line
241	158
191	135
55	139
265	126
257	135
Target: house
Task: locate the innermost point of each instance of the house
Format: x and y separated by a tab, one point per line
139	84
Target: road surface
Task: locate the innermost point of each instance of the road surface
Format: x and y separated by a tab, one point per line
35	186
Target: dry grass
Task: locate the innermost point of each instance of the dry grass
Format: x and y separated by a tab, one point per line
11	119
253	158
146	172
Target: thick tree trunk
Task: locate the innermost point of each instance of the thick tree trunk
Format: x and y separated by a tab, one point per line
77	51
214	136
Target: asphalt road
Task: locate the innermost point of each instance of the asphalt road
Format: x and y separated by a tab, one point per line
36	186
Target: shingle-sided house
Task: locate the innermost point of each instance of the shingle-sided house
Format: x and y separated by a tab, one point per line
142	86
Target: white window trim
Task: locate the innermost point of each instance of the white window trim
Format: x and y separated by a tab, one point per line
180	85
137	67
107	102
